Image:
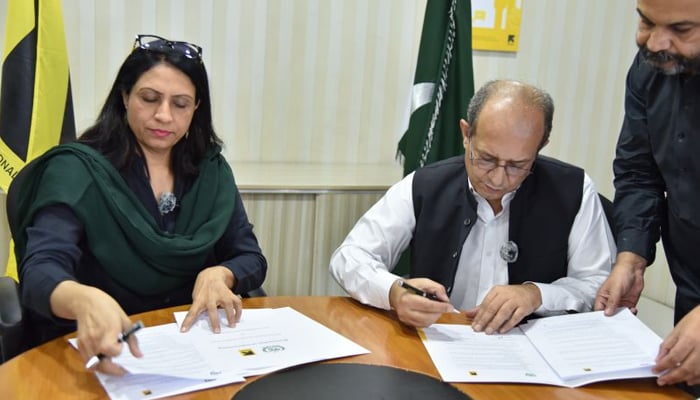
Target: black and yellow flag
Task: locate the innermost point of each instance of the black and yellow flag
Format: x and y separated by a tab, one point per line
36	108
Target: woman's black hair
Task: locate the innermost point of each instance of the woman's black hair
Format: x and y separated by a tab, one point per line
111	135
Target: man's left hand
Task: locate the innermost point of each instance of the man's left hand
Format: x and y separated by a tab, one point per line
504	307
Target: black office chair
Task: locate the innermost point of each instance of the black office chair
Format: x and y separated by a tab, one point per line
11	314
11	327
12	323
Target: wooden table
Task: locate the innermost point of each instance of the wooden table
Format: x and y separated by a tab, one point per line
56	371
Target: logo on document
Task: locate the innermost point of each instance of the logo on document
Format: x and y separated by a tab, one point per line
272	349
246	352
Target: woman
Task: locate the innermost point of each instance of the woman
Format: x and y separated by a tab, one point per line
141	213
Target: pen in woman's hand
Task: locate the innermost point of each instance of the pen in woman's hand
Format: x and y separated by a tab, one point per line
123	337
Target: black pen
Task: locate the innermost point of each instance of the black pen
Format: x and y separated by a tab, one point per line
423	293
417	291
94	360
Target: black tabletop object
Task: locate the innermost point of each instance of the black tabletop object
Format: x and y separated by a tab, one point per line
348	382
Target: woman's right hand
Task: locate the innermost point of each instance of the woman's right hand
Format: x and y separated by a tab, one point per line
100	322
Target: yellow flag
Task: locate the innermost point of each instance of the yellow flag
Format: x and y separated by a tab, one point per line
36	110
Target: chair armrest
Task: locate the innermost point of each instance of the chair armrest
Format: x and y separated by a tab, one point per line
259	292
10	309
11	324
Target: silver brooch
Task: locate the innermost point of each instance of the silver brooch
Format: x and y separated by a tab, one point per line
509	251
166	203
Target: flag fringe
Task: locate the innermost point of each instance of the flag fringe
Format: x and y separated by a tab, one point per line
442	87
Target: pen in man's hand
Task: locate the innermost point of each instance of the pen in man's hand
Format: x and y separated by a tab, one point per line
123	337
419	292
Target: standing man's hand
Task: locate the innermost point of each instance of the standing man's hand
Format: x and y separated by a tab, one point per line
624	285
679	353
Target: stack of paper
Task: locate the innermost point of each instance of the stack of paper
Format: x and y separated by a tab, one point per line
264	340
567	350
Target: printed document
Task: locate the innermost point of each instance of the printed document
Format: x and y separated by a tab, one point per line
264	340
170	365
567	350
268	340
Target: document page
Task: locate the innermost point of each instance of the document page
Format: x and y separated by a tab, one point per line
147	386
583	344
462	355
171	364
567	350
264	340
165	352
267	340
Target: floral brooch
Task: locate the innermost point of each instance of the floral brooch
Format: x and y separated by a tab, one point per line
166	203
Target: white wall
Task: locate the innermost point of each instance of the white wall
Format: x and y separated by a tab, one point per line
327	81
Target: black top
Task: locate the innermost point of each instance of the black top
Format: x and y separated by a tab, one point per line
657	167
57	251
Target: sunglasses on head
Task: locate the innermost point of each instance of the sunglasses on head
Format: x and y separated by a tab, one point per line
163	45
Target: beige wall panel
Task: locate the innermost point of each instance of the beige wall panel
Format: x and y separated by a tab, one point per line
323	81
658	284
336	214
284	226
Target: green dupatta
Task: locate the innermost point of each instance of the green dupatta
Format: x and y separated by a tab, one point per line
120	232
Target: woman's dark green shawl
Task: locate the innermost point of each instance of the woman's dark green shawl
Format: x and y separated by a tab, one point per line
120	232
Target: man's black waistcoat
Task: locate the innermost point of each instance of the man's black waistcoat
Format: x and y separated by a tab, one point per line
541	215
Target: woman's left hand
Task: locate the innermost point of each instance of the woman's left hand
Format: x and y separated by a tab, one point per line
212	290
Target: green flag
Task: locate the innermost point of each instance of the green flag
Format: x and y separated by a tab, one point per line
443	85
442	88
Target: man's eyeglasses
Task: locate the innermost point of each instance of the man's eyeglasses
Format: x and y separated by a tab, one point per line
488	165
162	45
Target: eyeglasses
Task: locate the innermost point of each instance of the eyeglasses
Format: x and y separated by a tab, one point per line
487	166
162	45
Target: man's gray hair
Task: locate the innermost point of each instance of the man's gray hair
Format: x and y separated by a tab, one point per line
530	94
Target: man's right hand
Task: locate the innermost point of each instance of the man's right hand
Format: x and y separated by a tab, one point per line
419	311
624	285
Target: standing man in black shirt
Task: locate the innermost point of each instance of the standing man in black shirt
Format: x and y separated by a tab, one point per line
657	178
